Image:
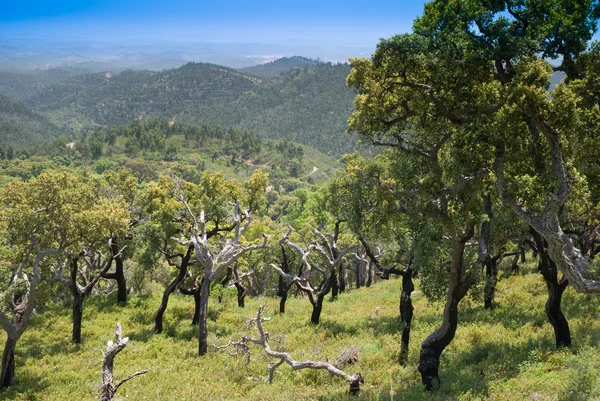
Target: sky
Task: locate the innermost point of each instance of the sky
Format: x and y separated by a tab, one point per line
328	23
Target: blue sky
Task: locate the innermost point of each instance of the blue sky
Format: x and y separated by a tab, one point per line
331	23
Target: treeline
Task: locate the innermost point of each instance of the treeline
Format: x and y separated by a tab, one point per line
276	67
21	85
108	99
20	126
308	105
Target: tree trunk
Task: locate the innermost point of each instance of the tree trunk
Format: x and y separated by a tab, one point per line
491	276
559	323
515	266
203	316
77	316
7	378
549	270
282	291
369	274
342	278
406	313
316	313
318	305
78	298
119	274
433	346
241	294
357	275
197	306
158	317
282	302
335	289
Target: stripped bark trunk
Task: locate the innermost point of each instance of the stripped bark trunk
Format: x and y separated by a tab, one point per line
183	268
203	317
433	346
555	288
77	316
318	303
342	278
8	362
78	298
119	274
406	313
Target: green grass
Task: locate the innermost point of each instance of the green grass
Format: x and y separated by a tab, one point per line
504	354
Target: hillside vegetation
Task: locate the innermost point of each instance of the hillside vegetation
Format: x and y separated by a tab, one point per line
20	126
276	67
308	105
24	84
504	354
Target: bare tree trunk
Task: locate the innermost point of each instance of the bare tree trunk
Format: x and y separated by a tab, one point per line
109	388
8	362
78	298
158	317
197	306
406	313
559	323
335	289
77	316
119	274
433	346
318	305
241	294
369	275
202	317
549	270
491	276
282	302
342	278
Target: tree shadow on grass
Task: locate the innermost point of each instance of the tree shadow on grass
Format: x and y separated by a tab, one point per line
384	325
142	335
27	386
336	329
38	349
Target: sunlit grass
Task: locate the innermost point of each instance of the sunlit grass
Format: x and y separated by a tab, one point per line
504	354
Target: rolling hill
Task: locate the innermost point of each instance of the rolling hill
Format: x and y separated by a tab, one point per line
276	67
308	105
21	126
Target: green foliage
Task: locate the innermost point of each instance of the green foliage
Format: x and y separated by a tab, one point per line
308	105
21	126
276	67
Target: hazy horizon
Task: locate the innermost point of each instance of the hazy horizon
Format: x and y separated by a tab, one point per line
41	34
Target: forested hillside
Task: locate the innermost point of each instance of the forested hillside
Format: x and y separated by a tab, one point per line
276	67
20	126
107	99
21	85
308	105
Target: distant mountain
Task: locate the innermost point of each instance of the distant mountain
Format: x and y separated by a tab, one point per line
276	67
24	84
115	99
308	104
21	126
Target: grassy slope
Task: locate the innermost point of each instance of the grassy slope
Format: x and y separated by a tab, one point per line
506	354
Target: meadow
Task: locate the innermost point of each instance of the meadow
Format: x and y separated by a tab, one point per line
504	354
